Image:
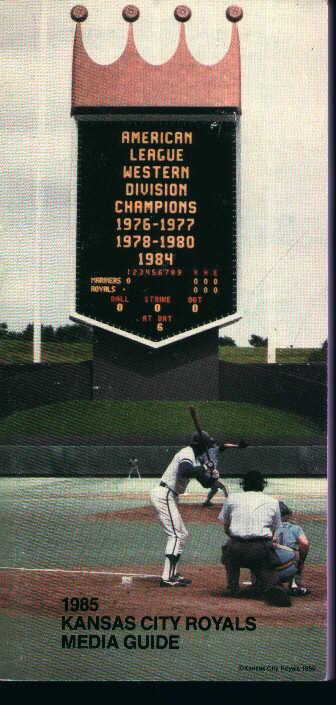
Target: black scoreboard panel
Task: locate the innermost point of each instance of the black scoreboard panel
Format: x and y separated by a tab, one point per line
156	223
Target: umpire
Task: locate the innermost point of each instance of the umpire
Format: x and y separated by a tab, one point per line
250	521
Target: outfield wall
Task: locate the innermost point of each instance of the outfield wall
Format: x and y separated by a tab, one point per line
300	389
26	386
112	461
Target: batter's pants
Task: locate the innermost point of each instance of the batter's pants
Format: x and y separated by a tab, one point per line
165	502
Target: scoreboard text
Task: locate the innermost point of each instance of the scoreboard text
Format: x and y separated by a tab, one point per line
156	224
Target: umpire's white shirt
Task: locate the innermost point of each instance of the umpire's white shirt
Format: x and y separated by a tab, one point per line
251	514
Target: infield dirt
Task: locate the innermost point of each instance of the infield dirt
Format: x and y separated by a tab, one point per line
40	593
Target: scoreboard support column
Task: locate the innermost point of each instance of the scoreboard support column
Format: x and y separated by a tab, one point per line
185	370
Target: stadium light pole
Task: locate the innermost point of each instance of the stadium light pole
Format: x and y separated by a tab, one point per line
41	92
271	345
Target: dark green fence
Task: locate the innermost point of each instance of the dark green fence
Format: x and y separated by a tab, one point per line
113	461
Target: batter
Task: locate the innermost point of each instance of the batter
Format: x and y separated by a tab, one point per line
187	464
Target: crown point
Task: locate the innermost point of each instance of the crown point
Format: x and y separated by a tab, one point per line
234	13
79	13
131	13
182	13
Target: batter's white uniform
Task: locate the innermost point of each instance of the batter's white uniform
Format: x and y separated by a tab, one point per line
165	500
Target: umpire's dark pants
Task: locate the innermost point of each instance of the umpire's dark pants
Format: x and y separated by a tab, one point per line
255	554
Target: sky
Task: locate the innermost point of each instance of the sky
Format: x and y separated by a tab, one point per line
283	240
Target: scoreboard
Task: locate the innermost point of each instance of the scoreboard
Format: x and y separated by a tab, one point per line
156	223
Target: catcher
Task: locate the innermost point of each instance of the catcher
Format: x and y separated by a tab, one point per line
187	464
213	452
293	536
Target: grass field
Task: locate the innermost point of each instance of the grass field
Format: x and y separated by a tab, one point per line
259	355
19	351
72	537
158	422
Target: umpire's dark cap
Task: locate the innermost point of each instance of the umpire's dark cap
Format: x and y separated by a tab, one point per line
253	480
284	510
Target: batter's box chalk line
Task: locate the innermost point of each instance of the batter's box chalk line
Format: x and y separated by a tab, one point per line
85	571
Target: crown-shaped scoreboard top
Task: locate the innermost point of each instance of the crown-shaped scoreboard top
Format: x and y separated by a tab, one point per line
130	81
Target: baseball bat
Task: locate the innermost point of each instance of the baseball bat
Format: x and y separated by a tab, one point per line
197	425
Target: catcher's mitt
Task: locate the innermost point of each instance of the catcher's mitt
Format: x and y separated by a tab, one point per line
210	471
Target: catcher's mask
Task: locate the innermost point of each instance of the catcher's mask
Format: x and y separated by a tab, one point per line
253	481
284	510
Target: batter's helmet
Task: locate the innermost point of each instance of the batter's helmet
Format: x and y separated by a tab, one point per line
206	440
